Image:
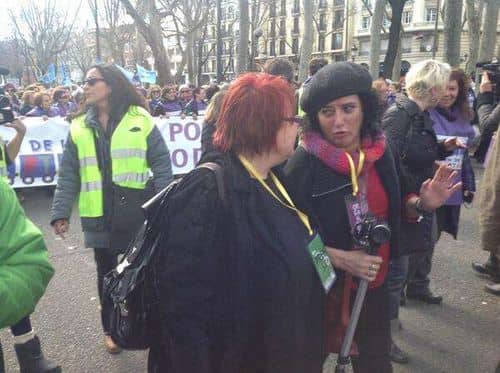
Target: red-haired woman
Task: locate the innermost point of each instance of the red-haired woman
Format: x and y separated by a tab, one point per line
238	287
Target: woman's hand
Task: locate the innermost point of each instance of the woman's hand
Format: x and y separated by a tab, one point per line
356	262
453	143
61	227
436	191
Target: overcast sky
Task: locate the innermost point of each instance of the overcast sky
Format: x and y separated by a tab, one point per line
16	5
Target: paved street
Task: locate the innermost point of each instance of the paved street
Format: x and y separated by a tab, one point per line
462	335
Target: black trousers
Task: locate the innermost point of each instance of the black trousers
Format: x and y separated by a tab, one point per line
23	326
373	334
106	260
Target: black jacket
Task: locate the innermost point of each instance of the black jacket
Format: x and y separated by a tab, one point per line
227	292
321	192
412	139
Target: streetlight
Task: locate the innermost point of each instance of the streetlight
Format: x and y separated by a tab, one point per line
354	52
255	47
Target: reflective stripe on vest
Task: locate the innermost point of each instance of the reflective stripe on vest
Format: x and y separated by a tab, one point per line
128	158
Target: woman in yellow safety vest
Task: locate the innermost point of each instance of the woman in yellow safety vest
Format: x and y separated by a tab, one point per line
111	152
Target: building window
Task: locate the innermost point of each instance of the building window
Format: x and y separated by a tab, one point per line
272	9
337	41
364	48
322	22
338	2
296	21
272	31
406	44
295	46
321	43
365	23
322	4
296	7
282	47
230	12
384	44
367	4
282	27
213	65
283	8
430	14
386	22
338	19
407	17
272	48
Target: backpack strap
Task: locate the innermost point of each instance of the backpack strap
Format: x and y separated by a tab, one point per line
219	178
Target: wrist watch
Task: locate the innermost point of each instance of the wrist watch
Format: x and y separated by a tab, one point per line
418	206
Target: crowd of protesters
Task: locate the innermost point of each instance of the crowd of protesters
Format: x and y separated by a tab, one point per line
238	288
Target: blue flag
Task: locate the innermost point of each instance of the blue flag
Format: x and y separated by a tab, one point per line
51	74
128	74
66	75
146	76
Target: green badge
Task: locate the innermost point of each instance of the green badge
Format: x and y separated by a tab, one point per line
321	261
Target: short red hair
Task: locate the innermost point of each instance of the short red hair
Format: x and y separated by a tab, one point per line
252	113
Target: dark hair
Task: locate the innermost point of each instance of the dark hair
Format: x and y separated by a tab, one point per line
196	91
372	113
58	93
211	90
462	102
123	93
252	113
280	67
316	64
166	90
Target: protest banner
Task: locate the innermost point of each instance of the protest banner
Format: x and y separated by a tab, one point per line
41	152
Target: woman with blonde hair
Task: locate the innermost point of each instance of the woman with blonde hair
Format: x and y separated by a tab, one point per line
409	130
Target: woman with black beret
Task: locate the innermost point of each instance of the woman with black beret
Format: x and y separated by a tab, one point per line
342	171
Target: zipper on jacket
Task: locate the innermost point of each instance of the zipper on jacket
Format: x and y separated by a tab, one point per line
332	190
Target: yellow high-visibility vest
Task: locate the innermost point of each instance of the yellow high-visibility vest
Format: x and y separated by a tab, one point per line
129	167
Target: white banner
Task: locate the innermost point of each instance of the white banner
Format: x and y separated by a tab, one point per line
38	161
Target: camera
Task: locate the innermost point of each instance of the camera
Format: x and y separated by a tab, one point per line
6	113
370	233
493	71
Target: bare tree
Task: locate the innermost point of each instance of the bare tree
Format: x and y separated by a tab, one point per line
488	38
307	39
453	31
244	22
152	32
81	51
394	35
43	33
187	20
375	30
474	12
11	57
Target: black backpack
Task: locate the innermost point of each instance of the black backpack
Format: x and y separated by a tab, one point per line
129	288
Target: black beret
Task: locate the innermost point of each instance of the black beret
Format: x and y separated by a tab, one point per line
334	81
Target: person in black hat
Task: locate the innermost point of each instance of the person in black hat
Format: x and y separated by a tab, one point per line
341	153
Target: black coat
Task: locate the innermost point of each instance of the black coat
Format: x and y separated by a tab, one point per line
411	137
321	192
227	293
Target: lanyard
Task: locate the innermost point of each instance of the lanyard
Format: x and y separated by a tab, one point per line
355	173
251	170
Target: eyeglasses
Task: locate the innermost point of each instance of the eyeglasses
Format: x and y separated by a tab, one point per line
92	81
297	119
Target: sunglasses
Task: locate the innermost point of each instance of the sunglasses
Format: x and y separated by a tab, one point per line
297	119
93	81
